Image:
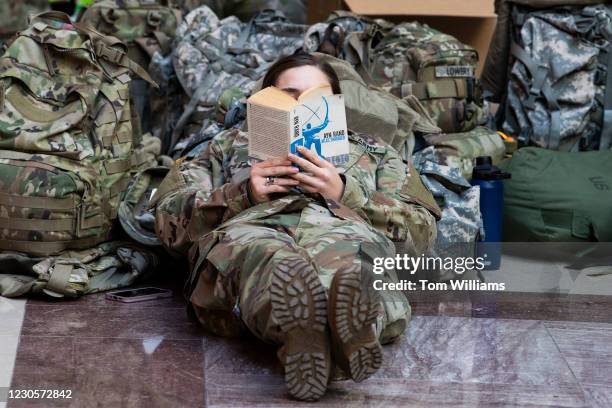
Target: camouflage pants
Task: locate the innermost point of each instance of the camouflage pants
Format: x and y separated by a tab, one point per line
232	293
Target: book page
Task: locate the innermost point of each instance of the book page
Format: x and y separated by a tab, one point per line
273	98
313	94
268	132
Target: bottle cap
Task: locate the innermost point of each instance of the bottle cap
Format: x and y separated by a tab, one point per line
485	170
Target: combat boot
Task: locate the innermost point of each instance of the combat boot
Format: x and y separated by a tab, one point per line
299	307
353	308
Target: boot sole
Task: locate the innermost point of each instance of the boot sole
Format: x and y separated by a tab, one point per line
299	306
353	309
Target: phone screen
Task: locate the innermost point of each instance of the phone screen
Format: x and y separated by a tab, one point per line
139	292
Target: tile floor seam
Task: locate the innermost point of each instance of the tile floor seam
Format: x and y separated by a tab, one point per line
105	338
578	382
12	375
113	307
203	343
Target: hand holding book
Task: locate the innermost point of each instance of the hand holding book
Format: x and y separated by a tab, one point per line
280	127
278	170
319	176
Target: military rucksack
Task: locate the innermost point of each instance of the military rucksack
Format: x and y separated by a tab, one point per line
347	36
212	55
67	144
245	10
14	17
373	111
559	95
147	27
495	72
74	273
415	59
458	150
558	196
460	226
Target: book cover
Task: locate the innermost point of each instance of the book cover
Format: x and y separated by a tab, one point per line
278	124
319	124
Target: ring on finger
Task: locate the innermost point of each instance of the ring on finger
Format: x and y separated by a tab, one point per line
270	180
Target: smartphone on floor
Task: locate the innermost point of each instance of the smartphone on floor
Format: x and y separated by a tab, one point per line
138	294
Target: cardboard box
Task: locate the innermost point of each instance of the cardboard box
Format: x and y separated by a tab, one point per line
471	21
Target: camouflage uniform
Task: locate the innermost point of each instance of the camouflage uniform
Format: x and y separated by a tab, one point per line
206	202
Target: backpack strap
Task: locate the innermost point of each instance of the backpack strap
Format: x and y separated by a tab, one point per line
2	95
359	48
606	131
59	278
554	136
50	203
538	72
50	15
111	50
193	103
442	88
264	16
47	248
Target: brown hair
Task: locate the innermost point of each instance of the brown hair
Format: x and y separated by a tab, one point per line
300	59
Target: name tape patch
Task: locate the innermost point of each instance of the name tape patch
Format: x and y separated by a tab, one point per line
454	71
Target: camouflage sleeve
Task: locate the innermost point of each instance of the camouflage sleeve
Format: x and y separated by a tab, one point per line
401	207
194	198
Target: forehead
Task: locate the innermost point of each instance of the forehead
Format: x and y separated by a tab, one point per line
301	78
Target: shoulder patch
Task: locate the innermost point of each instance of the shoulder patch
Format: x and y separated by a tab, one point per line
370	143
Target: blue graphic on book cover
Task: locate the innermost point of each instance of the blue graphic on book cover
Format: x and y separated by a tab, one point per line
320	125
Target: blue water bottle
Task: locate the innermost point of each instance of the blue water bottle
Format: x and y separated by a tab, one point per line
489	178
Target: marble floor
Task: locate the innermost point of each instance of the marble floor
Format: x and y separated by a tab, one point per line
502	349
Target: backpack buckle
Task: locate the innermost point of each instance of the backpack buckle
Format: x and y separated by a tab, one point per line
536	87
370	30
109	53
154	18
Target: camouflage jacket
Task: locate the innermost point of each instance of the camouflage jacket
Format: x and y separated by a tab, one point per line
210	192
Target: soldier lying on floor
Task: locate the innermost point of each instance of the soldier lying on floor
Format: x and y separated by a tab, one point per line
296	269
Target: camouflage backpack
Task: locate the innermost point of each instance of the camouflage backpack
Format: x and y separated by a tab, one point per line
295	10
212	55
147	27
414	59
67	144
347	36
559	94
458	150
74	273
14	16
461	224
371	110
